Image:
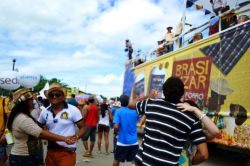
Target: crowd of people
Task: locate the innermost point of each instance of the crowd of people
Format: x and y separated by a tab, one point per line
170	126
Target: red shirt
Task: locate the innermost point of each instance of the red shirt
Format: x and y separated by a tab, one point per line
92	116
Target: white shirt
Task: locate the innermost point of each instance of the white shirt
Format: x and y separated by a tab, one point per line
63	123
169	38
104	120
219	3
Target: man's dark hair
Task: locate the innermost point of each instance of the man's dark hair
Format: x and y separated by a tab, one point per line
73	95
39	98
45	102
91	100
124	99
173	89
104	109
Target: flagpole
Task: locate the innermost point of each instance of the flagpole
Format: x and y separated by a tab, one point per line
183	20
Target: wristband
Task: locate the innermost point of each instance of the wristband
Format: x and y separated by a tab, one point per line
202	116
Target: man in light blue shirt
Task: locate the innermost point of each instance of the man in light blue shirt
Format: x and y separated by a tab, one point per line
125	125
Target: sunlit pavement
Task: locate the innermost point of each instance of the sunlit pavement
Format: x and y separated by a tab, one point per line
98	159
217	158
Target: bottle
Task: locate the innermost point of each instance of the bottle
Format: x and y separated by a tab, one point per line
8	136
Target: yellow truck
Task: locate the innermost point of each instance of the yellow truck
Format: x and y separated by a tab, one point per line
216	74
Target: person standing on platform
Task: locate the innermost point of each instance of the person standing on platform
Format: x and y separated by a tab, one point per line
129	49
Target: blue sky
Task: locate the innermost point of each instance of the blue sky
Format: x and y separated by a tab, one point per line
81	42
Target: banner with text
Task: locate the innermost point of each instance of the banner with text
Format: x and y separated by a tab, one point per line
195	74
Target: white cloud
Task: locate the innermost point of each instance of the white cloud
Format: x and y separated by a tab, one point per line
81	41
106	79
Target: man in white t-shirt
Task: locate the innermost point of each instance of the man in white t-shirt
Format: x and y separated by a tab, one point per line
169	39
61	118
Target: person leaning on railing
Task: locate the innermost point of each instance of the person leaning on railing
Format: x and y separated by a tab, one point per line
242	18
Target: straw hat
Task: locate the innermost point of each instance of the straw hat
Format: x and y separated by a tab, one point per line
56	87
221	87
22	95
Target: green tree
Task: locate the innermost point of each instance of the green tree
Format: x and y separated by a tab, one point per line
41	84
43	81
4	92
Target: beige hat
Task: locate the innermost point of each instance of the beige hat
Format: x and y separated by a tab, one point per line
221	86
22	95
56	87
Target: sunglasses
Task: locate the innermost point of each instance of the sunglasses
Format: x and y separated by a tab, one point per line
51	95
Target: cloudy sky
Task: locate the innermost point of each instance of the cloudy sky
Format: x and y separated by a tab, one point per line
81	42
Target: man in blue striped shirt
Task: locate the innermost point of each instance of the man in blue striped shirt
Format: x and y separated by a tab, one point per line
168	128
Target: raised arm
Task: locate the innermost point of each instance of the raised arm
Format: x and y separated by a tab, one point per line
211	129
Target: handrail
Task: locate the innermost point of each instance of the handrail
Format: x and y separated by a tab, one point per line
221	17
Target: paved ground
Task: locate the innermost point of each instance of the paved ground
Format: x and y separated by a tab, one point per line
217	158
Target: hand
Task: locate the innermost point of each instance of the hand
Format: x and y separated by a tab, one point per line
2	139
74	137
185	107
70	140
153	94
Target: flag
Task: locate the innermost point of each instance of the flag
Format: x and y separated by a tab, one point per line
190	3
197	5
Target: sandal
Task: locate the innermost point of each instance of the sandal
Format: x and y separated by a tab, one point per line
87	154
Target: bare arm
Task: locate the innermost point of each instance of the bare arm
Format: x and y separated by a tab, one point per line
45	134
211	129
201	154
142	121
81	127
116	128
110	115
85	111
152	94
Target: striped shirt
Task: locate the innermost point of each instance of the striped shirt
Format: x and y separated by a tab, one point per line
166	132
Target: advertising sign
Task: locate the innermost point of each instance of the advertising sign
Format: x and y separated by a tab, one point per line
139	89
156	81
195	74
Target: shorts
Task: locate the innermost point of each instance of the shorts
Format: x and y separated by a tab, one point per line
126	153
2	152
90	132
103	128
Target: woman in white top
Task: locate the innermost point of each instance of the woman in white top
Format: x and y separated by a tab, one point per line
105	116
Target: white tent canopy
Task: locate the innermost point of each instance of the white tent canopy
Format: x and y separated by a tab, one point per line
46	87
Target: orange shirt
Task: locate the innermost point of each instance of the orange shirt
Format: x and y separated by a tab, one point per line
2	110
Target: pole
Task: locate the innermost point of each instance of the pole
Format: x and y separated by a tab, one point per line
14	61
